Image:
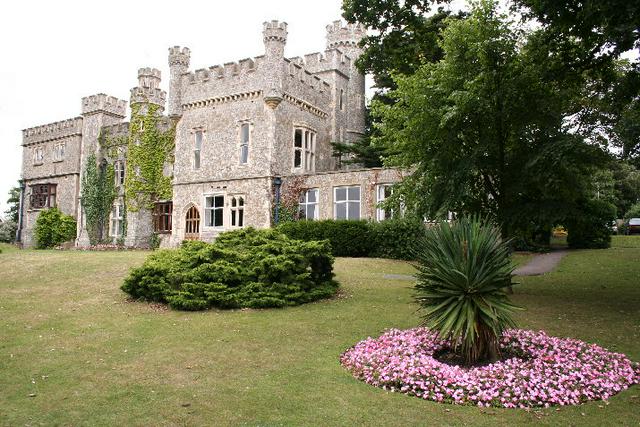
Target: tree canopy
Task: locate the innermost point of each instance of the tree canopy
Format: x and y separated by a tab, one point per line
484	128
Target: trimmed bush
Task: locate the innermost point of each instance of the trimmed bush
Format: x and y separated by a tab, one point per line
53	228
395	238
244	268
347	238
590	228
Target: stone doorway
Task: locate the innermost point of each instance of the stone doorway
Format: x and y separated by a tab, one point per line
192	224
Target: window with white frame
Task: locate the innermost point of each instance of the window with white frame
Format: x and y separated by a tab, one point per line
309	204
117	220
304	149
237	211
197	148
214	211
244	143
119	171
383	191
58	151
38	155
346	202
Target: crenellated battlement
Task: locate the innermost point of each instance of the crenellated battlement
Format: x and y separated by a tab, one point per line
117	129
274	31
102	103
331	59
148	95
227	70
179	56
345	35
299	72
51	131
149	72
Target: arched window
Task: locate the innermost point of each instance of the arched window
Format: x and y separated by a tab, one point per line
192	224
237	211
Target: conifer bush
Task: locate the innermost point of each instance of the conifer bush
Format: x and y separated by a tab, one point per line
244	268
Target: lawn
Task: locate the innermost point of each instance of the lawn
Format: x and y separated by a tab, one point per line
74	351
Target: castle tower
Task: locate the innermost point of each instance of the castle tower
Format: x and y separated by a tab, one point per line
148	91
346	38
97	111
275	38
178	65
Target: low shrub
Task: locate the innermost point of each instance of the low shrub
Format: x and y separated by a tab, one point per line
395	238
244	268
590	227
54	228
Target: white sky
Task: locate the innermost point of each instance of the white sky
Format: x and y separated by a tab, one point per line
56	52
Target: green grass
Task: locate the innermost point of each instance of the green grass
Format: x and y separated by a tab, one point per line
69	336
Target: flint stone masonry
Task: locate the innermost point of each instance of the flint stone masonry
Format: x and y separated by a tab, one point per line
269	95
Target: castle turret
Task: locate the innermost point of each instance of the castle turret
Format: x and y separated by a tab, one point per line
275	38
346	38
148	91
178	65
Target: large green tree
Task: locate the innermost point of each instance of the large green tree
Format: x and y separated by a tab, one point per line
14	204
484	130
402	36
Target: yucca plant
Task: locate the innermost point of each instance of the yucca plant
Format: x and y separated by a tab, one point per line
463	271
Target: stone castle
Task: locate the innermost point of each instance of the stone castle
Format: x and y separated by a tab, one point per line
243	132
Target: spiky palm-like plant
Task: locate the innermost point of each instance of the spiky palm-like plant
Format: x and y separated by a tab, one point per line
463	270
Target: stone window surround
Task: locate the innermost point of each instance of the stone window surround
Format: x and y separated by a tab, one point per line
119	172
239	125
236	210
194	132
162	217
58	151
38	155
347	200
381	214
207	208
117	219
304	127
43	199
305	203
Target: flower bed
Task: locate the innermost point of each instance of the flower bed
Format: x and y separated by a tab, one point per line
544	370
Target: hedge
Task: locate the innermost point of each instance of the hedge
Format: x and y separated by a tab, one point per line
244	268
393	238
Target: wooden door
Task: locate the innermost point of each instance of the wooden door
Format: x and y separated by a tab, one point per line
192	224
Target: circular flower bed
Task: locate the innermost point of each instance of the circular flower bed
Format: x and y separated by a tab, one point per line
540	372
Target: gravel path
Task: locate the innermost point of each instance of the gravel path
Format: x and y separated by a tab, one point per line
540	264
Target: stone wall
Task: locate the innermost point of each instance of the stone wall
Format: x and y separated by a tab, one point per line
257	193
366	179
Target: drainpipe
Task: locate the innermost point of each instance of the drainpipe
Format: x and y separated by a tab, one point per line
277	181
20	215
